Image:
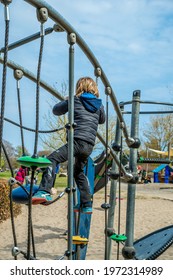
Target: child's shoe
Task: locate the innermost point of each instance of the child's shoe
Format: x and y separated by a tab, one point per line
41	197
77	208
87	208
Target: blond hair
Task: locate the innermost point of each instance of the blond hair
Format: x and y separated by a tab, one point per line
86	84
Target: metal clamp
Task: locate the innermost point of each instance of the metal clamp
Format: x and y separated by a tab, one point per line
6	2
12	181
58	28
18	74
108	90
98	72
71	38
128	176
122	125
130	141
15	251
6	9
42	15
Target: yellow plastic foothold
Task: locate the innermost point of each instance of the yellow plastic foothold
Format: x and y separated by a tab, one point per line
77	239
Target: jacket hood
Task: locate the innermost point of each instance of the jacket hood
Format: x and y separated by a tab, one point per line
90	102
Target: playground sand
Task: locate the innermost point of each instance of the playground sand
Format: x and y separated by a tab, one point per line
153	210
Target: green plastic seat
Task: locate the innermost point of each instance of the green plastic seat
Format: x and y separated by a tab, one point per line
118	237
140	160
29	161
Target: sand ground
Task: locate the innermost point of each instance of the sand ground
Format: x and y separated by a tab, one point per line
153	210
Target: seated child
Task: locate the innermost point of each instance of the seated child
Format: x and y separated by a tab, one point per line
20	175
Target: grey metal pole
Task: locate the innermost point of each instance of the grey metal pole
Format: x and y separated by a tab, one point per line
128	250
27	40
113	190
71	41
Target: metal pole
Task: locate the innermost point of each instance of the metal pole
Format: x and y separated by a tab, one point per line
71	41
26	40
128	250
148	102
147	163
18	75
169	150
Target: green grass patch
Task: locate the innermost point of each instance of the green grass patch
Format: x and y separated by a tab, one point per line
61	182
5	175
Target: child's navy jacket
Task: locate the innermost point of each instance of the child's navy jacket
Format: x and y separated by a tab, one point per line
88	113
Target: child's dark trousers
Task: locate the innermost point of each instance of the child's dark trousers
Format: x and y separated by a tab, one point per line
82	150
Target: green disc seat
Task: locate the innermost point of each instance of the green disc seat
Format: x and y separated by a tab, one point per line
29	161
118	237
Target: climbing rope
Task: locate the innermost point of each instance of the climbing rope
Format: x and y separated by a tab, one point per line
4	75
11	202
38	94
42	15
33	130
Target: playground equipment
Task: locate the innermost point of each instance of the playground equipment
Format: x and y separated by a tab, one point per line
150	247
80	225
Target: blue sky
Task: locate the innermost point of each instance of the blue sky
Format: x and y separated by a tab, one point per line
131	39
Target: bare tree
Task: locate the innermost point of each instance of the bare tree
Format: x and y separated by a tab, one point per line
159	132
19	151
54	140
10	151
111	132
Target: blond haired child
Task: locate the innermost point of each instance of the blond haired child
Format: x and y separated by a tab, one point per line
88	113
